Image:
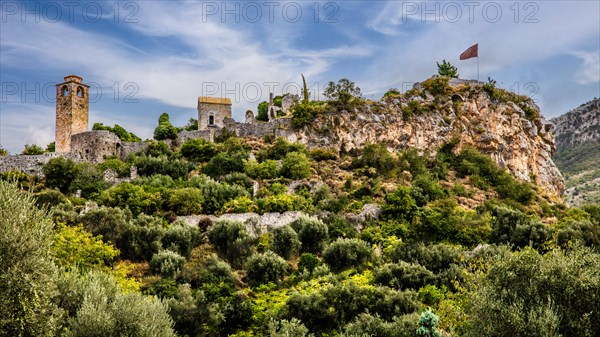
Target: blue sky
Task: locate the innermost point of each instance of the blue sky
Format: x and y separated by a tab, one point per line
143	58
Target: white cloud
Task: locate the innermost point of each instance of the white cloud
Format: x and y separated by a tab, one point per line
590	69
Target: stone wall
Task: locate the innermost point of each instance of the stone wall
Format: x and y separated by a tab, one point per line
280	127
29	164
251	220
128	148
93	146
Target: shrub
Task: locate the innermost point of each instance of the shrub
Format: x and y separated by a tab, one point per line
26	269
337	305
348	253
282	203
175	168
376	156
312	233
232	241
308	262
89	180
59	173
295	166
186	201
425	189
399	205
32	150
224	163
280	149
132	196
96	307
121	168
181	238
118	130
108	222
157	149
428	323
340	227
216	195
198	150
265	170
320	154
167	263
369	325
437	86
142	238
265	267
73	247
403	275
242	204
302	114
526	293
580	230
49	198
285	242
285	328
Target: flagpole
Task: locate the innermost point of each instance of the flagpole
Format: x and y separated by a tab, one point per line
477	68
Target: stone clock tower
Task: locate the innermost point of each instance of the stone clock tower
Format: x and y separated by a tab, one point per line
71	111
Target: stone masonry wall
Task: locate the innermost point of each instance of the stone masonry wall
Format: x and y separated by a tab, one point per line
29	164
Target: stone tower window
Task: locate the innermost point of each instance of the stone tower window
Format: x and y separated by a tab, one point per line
64	90
211	119
79	92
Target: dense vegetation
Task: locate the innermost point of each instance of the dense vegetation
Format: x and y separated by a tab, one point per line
389	244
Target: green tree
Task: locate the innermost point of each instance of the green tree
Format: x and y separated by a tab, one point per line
73	247
167	263
59	173
198	150
312	233
97	307
3	152
26	269
529	294
164	130
348	253
118	130
285	242
51	147
344	94
446	69
32	150
428	323
295	166
265	267
263	111
232	241
305	94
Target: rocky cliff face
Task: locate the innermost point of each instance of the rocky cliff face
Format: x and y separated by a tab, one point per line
578	152
579	125
505	126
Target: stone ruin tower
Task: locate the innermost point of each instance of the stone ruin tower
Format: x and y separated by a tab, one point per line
71	111
212	112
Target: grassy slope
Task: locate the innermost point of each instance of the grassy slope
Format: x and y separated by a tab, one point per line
580	165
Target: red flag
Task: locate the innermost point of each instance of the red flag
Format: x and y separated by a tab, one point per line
470	52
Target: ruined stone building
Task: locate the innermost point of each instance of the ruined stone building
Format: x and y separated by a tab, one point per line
212	112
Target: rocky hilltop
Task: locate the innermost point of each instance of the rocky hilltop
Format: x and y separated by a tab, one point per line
578	126
507	127
578	152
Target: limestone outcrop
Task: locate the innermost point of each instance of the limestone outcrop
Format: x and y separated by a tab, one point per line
510	130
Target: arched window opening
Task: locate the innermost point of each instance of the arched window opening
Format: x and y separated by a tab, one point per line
65	90
79	92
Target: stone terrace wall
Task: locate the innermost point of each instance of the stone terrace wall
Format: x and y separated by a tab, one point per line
30	164
280	127
128	148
